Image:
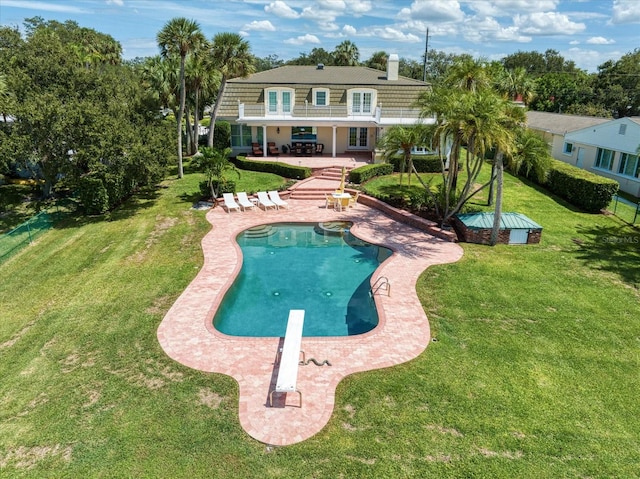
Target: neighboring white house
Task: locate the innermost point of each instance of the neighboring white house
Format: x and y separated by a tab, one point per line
601	145
345	109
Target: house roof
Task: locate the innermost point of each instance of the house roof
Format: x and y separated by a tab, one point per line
560	124
328	75
399	94
510	221
621	134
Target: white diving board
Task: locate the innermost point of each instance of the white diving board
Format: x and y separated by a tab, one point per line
290	356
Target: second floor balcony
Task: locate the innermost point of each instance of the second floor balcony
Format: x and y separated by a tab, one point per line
338	113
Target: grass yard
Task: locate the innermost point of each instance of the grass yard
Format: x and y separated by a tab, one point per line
535	371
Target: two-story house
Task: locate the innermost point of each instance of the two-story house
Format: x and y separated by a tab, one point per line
344	109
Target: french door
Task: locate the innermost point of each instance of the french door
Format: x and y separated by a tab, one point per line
358	138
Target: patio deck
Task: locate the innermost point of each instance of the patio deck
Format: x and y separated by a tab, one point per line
188	336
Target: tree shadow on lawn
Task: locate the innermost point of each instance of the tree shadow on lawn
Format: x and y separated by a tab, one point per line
612	248
141	200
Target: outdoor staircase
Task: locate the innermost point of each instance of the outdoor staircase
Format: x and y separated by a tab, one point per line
322	182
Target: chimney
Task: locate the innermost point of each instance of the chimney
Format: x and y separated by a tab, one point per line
393	63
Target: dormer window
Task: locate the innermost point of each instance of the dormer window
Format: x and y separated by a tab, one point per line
320	96
362	101
279	101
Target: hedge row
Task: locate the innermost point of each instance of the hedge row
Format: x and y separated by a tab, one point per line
280	169
423	163
364	173
579	187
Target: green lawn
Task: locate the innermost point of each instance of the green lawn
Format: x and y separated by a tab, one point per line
535	371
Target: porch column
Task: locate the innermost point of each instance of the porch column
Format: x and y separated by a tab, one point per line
264	140
333	141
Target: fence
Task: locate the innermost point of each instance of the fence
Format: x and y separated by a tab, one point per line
625	209
24	234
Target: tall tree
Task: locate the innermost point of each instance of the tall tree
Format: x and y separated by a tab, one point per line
346	54
178	37
403	139
378	60
231	55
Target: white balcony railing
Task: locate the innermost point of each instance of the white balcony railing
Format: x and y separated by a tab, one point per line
330	111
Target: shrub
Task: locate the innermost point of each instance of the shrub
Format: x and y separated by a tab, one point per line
366	172
423	163
280	169
93	195
228	186
581	188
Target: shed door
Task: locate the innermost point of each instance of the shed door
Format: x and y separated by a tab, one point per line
518	236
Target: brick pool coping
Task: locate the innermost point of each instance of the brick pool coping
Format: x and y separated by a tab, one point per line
187	335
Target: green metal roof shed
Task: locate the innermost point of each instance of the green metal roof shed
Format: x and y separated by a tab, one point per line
515	228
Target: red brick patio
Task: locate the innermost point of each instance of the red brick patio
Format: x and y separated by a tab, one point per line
187	335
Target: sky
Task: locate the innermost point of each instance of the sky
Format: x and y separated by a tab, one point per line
589	32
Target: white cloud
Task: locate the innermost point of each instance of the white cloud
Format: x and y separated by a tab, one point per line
600	41
281	9
303	39
547	23
359	7
589	59
433	11
480	30
625	11
44	6
260	26
119	3
499	8
349	31
390	33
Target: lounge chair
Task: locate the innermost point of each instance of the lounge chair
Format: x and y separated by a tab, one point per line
330	201
256	149
244	201
230	202
264	200
319	148
273	149
353	201
275	197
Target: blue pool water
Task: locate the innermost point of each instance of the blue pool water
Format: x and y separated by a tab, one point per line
319	267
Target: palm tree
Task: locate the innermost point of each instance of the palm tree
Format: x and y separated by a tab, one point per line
378	60
517	85
404	138
160	79
215	163
199	75
180	36
468	74
231	55
346	54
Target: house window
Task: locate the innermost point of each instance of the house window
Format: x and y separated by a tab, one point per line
568	148
320	96
240	135
629	165
604	159
623	129
362	101
286	102
279	100
273	102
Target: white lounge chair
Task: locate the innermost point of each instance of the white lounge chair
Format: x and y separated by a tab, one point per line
244	201
275	197
264	200
230	202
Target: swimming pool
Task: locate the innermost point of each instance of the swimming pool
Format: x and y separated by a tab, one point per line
319	267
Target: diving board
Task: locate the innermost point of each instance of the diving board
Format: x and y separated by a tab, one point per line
290	356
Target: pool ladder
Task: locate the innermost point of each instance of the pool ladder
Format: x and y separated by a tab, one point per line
381	284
